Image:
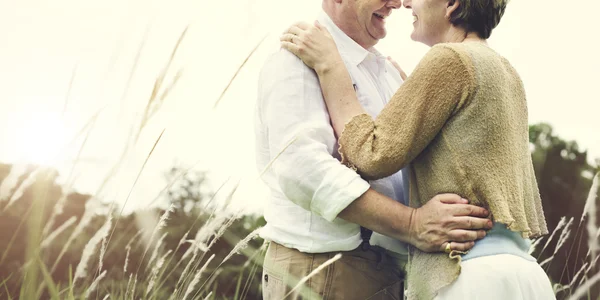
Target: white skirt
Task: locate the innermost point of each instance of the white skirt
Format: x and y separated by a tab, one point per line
499	277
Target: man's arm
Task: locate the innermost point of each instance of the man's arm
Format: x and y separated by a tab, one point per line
445	218
301	139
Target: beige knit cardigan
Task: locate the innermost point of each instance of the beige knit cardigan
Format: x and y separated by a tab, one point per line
460	120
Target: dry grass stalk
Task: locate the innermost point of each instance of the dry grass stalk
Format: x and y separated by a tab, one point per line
155	102
535	244
591	210
262	250
90	248
564	235
58	209
196	279
238	71
69	88
183	238
11	182
31	179
102	252
155	270
579	273
187	268
146	220
162	222
583	289
313	273
208	296
157	248
119	161
127	287
48	240
242	244
128	249
268	166
159	226
203	234
88	214
133	287
94	284
222	230
559	226
133	186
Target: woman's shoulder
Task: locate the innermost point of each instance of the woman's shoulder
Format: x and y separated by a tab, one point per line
447	56
451	51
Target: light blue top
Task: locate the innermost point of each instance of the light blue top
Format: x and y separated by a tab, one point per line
500	240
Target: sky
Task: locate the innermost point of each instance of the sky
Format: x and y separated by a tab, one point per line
64	62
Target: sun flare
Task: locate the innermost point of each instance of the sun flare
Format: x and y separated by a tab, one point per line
39	137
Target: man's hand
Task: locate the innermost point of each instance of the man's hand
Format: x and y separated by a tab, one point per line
447	218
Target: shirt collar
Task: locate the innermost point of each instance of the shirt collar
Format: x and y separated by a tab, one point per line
349	49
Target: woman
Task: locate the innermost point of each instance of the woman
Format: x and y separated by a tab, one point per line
460	120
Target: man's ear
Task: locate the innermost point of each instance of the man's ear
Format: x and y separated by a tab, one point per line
453	5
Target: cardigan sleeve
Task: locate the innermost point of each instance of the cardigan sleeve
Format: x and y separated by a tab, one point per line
440	84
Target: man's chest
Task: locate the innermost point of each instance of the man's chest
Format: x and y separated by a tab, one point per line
374	85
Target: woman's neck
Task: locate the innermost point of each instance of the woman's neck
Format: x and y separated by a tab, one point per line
459	35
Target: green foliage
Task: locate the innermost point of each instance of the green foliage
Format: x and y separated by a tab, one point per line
564	179
191	210
197	235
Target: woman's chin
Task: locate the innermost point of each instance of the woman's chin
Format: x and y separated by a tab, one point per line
419	39
414	36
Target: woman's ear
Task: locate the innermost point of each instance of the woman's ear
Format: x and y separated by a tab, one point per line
453	5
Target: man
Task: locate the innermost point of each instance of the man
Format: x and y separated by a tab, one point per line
317	205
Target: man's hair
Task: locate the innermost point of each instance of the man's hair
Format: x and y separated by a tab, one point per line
480	16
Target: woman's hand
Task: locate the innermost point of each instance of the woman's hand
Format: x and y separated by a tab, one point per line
313	44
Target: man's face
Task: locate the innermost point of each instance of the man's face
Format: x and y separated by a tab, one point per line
364	20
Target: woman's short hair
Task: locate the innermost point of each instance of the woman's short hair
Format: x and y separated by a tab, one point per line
480	16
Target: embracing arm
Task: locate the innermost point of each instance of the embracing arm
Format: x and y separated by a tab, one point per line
301	139
440	84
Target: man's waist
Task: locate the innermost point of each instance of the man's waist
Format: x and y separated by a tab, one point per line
382	252
302	238
309	240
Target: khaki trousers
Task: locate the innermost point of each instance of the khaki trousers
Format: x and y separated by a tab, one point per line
374	274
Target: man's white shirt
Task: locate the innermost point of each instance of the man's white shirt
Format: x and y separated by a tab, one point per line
297	148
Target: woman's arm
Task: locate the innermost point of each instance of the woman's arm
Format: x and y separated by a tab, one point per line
440	85
339	95
317	49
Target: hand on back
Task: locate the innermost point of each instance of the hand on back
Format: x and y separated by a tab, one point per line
448	218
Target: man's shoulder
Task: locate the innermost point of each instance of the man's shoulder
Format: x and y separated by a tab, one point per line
284	65
282	58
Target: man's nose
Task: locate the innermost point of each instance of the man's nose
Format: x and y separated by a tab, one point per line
407	3
395	4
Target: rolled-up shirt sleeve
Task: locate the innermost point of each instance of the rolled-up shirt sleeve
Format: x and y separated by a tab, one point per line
301	139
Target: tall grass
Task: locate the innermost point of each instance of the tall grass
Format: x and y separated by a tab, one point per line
75	258
581	285
148	274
